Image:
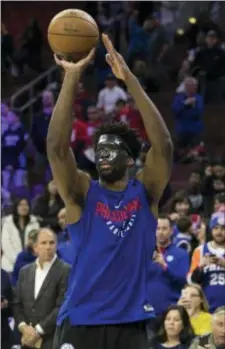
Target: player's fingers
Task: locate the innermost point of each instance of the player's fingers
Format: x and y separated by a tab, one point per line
91	54
109	59
57	60
108	44
105	41
114	54
112	51
89	57
120	58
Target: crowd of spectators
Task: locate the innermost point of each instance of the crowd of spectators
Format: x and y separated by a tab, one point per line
188	266
28	55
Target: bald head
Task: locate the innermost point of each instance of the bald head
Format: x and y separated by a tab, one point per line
44	231
190	80
191	86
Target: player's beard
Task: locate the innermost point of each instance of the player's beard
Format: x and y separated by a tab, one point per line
118	164
112	175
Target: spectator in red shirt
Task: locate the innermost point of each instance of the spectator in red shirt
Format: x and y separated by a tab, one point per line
81	139
118	110
82	102
79	136
131	115
95	118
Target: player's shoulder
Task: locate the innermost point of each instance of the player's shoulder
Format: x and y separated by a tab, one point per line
136	182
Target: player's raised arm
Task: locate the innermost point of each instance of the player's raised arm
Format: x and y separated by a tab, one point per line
156	172
72	184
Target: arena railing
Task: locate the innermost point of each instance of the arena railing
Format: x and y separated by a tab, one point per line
31	90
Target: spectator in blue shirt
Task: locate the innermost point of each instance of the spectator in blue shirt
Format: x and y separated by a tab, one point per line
168	270
138	44
187	109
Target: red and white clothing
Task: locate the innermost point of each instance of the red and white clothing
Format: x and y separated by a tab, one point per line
79	133
108	97
133	117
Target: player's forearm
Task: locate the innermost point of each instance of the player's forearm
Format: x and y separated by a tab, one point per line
155	127
60	127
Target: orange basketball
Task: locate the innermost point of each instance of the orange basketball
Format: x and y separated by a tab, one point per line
72	34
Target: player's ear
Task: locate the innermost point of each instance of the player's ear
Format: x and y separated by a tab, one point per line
130	162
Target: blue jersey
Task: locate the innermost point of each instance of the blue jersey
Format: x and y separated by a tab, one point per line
115	239
214	279
183	240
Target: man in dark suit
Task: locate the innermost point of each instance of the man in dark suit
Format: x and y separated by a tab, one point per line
40	292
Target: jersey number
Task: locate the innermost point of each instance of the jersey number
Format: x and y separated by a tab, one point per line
217	279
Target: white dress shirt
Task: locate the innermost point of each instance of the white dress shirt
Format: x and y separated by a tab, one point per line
40	274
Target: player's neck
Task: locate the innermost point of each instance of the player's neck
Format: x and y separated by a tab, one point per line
116	186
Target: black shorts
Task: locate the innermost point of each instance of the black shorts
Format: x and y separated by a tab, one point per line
122	336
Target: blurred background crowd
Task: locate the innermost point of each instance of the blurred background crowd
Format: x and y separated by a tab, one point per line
177	51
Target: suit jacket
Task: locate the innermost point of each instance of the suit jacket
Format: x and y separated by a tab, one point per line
44	309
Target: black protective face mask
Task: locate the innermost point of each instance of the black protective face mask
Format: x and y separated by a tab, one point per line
111	158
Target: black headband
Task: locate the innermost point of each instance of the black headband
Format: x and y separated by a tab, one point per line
114	138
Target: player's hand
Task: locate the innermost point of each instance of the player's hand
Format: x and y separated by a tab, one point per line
77	67
115	60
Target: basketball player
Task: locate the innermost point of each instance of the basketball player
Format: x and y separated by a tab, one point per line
113	219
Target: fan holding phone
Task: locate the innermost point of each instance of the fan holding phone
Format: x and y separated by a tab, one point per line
208	265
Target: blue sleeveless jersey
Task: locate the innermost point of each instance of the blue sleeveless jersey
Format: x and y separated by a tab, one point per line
183	241
214	280
115	240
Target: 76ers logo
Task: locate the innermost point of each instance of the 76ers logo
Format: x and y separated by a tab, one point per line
120	220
